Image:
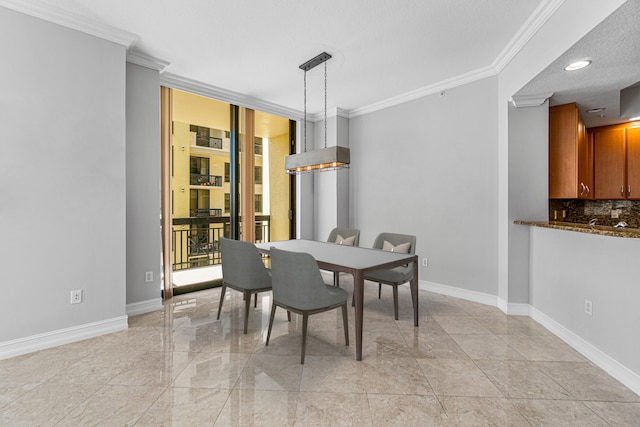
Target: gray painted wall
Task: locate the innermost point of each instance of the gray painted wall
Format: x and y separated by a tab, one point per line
565	267
62	174
428	168
331	187
325	183
143	183
305	194
342	176
326	203
528	189
568	24
568	267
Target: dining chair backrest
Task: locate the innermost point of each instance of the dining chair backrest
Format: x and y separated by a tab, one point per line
395	239
298	287
401	243
345	233
242	265
296	280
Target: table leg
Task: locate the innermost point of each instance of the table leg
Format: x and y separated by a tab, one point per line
414	292
358	291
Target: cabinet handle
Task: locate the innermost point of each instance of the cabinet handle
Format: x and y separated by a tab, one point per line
629	191
588	190
582	191
622	191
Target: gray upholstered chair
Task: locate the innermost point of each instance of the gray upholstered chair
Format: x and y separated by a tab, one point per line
244	271
298	287
395	277
343	236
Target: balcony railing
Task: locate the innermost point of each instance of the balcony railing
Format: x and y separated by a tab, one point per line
205	213
196	240
205	180
208	141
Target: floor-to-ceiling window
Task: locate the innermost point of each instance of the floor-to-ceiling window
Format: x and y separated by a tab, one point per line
227	179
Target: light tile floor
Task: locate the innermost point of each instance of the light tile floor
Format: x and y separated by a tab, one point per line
466	364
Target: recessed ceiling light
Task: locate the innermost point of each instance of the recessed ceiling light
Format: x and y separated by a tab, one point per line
596	110
633	119
578	65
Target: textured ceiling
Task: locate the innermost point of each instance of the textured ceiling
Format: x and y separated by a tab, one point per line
381	48
614	48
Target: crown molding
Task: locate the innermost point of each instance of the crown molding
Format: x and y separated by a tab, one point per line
331	112
147	61
74	22
340	112
186	84
530	100
51	14
532	25
438	87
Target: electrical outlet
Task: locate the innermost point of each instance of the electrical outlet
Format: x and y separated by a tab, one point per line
148	276
588	307
76	296
564	213
555	215
425	262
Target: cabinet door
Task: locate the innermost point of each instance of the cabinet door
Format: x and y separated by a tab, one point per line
563	146
609	157
585	163
633	163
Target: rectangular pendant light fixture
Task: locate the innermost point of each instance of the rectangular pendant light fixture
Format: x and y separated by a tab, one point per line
327	158
318	160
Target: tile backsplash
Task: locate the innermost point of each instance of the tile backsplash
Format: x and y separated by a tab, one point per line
583	211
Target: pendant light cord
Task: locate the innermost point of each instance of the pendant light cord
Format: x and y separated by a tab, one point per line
325	107
305	111
325	104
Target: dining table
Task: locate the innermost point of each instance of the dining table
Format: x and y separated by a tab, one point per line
356	261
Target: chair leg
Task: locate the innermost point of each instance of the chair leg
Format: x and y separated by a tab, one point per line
379	290
273	314
288	316
247	305
336	279
255	301
345	324
305	320
395	301
224	288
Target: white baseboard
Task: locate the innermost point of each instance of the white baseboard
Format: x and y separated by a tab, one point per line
77	333
62	336
611	366
144	306
465	294
514	308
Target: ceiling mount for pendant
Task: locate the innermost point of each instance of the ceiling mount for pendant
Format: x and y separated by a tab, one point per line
328	158
312	63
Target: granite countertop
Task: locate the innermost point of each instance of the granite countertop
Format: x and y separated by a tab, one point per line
585	228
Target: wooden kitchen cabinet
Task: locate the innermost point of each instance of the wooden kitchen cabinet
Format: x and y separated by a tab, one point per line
570	155
616	162
633	163
609	167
